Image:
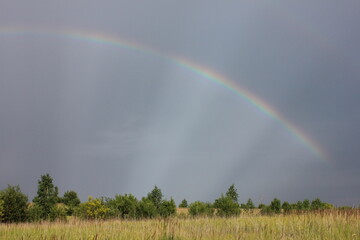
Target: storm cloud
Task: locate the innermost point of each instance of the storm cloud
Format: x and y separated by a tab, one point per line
104	120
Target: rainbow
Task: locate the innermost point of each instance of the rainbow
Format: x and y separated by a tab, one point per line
202	71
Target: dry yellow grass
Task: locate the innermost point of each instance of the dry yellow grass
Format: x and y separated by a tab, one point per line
330	225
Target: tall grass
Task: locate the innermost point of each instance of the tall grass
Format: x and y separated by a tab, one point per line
320	225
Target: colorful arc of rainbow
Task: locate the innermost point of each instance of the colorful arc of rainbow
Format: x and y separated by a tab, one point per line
206	73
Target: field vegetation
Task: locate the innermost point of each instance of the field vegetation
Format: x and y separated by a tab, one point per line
330	224
50	216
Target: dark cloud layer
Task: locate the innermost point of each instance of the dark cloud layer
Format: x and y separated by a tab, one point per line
103	120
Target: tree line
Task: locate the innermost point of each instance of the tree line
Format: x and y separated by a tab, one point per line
47	205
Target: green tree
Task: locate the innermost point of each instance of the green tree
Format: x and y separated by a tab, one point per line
183	204
201	209
286	207
146	209
124	206
226	206
232	193
34	212
299	205
306	205
250	204
14	204
266	210
275	205
58	212
155	196
261	206
71	200
1	210
46	195
94	208
167	208
316	204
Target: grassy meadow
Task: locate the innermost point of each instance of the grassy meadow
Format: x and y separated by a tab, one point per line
334	224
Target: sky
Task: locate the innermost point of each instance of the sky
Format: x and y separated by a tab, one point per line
98	95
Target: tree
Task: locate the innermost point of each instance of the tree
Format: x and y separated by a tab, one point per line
299	205
167	208
275	205
306	205
261	206
201	209
183	204
34	212
58	212
1	210
155	196
124	206
286	207
94	208
316	204
71	200
250	204
14	204
46	195
232	193
226	206
146	209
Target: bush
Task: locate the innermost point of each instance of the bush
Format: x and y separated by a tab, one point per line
1	210
167	208
266	210
249	205
146	209
34	212
286	207
201	209
14	204
71	200
183	204
317	204
275	205
261	206
58	212
123	206
92	209
306	205
226	207
155	196
299	206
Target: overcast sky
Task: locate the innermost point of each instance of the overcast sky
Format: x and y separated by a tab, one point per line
104	120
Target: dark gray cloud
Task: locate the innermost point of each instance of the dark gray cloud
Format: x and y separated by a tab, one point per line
103	120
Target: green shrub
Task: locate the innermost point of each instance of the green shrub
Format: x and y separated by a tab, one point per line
201	209
317	204
226	207
1	210
275	205
58	212
146	209
34	212
123	206
286	207
92	209
71	200
183	204
14	204
155	196
306	205
167	208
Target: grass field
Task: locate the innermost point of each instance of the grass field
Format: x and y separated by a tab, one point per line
325	225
